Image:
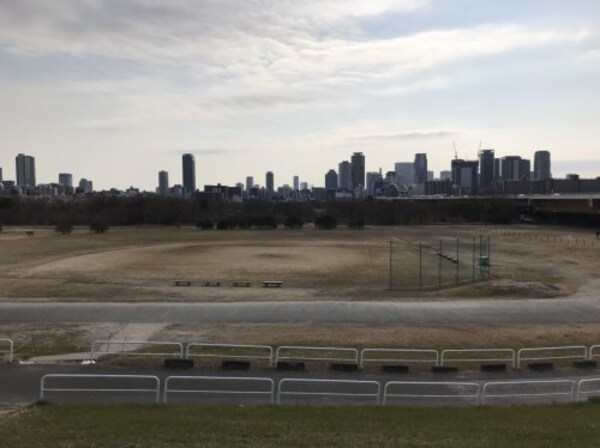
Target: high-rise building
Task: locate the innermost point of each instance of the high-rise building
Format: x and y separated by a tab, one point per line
163	183
541	165
420	168
331	180
405	173
65	180
296	183
345	175
304	186
510	168
445	175
270	181
189	174
372	178
464	176
86	186
358	170
25	171
249	183
486	167
0	174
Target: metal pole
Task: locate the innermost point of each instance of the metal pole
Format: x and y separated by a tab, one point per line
489	249
457	261
474	246
421	264
390	265
440	264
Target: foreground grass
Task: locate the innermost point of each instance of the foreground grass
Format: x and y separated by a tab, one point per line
184	426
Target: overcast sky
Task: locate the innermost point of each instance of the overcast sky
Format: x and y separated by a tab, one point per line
115	91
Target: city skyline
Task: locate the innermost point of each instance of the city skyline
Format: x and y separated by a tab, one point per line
94	87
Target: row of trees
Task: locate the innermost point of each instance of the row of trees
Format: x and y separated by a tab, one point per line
153	210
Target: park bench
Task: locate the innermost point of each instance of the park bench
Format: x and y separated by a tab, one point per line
207	283
272	283
182	283
242	284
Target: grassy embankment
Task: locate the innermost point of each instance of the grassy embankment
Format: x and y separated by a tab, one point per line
179	426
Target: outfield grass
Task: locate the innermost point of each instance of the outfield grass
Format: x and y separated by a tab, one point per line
185	426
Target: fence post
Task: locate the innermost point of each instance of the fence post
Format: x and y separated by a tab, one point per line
457	261
474	246
440	264
390	265
421	264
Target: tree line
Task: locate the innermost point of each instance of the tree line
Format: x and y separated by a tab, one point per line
154	210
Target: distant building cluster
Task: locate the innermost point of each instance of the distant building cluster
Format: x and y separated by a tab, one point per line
487	175
26	185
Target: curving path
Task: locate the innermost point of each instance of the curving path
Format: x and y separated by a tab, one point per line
534	311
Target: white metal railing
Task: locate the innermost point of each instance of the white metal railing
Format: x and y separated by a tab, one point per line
529	389
206	380
352	354
508	355
328	393
96	352
552	353
591	352
11	348
457	391
101	379
237	348
414	356
583	388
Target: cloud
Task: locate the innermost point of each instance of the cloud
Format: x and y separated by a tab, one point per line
403	136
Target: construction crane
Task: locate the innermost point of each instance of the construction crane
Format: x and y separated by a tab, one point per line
455	151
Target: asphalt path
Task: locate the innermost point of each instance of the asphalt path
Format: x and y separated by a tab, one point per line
20	384
533	311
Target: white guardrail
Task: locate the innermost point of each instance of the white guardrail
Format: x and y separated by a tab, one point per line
552	353
213	385
405	392
555	390
11	348
585	388
592	352
100	380
351	354
407	356
447	390
341	389
233	351
96	350
507	355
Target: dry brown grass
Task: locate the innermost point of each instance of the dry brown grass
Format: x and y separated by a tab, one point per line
140	264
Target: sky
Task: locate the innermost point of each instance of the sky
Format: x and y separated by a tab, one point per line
116	90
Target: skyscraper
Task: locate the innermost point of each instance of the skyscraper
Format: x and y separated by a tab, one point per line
249	183
405	173
65	180
331	180
189	174
464	176
0	174
510	167
358	170
296	183
270	181
420	168
541	165
25	171
163	183
486	167
345	175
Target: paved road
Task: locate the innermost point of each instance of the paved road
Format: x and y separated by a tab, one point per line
535	311
21	384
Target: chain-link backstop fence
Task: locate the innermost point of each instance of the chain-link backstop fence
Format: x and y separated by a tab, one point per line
438	263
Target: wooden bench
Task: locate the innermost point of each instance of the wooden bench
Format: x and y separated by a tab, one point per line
272	283
211	284
182	283
242	284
